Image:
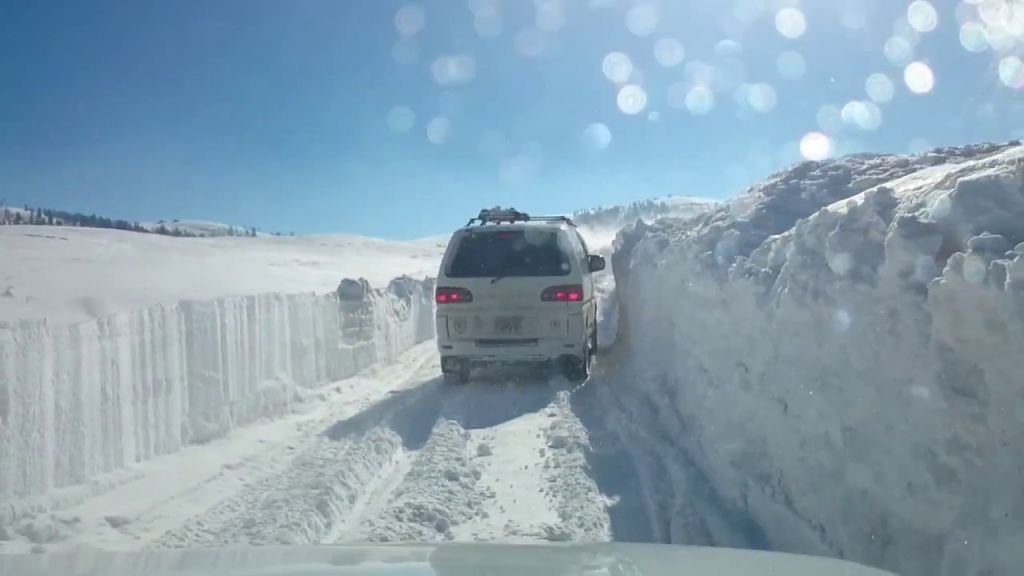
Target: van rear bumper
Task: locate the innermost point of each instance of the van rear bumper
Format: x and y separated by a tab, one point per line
531	347
509	350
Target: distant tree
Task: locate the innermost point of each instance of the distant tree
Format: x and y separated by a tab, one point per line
17	217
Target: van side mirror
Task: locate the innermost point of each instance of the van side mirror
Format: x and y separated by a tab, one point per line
595	263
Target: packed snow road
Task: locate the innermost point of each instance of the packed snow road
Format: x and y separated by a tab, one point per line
402	458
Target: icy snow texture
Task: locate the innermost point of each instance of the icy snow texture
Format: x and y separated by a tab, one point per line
301	504
577	500
439	492
837	352
80	400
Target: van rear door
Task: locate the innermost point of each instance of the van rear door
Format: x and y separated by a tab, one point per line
506	270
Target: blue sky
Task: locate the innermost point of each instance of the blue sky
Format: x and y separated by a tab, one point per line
400	119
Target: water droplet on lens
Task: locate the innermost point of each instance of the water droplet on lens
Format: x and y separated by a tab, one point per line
617	67
815	146
919	78
790	23
879	88
597	136
632	99
700	100
669	52
410	19
1011	72
642	19
922	16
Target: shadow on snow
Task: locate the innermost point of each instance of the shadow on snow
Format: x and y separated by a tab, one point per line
487	401
612	468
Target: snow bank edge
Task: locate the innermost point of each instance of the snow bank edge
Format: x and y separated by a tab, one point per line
79	401
868	407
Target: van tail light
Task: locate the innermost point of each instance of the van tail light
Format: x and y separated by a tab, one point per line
573	293
452	295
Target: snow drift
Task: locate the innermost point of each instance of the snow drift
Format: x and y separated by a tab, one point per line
600	225
837	356
80	400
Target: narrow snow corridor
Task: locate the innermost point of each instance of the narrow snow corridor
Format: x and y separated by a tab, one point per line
516	455
507	458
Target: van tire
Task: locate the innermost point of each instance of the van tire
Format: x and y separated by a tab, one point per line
576	369
458	376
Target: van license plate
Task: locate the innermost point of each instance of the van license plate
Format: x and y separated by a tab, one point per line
508	324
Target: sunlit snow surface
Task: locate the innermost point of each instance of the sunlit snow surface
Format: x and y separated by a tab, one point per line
72	274
164	391
838	351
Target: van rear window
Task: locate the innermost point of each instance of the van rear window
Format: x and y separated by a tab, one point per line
493	253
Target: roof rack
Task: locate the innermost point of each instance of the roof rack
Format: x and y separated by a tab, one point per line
498	215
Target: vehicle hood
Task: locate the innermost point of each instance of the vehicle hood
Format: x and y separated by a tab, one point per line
434	560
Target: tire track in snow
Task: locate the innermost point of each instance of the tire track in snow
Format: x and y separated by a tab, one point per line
304	499
137	506
536	468
488	461
503	462
581	508
658	466
372	501
299	505
440	491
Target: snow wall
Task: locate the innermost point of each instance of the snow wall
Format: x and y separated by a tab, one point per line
833	364
77	401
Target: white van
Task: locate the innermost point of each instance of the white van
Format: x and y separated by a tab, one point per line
514	288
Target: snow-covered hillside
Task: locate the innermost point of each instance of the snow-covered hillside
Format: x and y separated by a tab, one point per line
202	228
600	225
9	214
76	274
834	359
